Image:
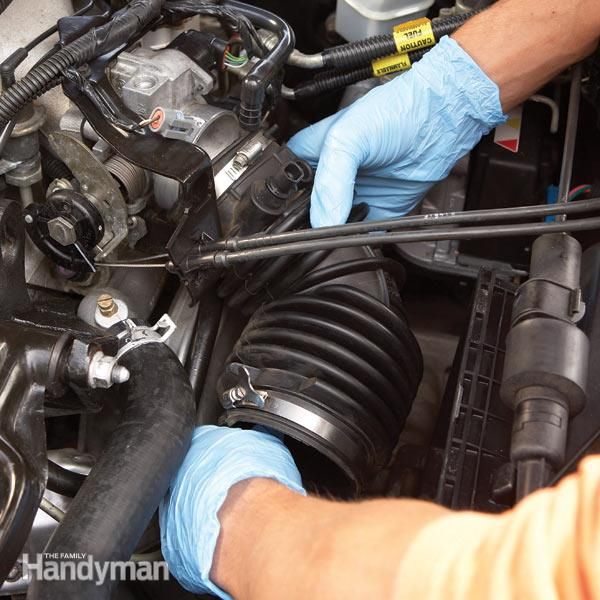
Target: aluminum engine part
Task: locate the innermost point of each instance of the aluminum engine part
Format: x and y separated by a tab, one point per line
91	309
146	79
20	162
169	84
211	128
169	80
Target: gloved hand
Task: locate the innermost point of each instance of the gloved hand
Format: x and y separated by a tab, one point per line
217	459
401	137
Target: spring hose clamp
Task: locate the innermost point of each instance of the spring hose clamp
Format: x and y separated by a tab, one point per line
133	335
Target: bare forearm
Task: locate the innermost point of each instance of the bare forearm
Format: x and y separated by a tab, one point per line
522	44
273	540
275	543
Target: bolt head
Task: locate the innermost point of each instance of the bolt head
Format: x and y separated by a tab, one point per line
240	160
62	231
107	305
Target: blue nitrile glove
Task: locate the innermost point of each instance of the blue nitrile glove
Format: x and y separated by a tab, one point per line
402	137
217	459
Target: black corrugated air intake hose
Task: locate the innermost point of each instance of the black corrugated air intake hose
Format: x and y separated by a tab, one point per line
335	361
99	40
110	512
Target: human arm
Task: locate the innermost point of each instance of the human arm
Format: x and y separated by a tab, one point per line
389	147
274	540
270	541
522	44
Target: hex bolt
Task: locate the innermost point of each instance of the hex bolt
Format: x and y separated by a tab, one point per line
240	160
104	372
62	231
107	305
238	393
234	395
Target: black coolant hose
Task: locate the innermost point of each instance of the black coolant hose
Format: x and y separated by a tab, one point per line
118	498
356	54
99	40
254	85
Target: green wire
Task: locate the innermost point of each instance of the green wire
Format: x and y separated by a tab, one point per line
239	60
577	192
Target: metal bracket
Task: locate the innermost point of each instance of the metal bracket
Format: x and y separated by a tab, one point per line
98	185
544	297
184	162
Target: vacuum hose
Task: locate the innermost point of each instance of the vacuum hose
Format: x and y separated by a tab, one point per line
62	481
254	85
108	515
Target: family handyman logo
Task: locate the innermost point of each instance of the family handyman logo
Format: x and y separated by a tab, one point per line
81	567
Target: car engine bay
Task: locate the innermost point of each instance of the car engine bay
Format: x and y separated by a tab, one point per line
158	271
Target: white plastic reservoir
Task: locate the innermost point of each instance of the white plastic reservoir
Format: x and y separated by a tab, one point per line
358	19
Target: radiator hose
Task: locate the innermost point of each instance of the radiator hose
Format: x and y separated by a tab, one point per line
110	512
62	481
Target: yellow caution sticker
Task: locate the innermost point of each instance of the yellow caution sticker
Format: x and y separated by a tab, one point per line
414	35
391	64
